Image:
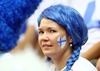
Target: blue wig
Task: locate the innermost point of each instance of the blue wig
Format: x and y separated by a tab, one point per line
12	14
72	21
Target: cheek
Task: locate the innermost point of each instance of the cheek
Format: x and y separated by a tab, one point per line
54	40
62	41
39	41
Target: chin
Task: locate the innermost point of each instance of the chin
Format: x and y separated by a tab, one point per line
48	53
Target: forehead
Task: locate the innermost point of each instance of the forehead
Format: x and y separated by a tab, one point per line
47	23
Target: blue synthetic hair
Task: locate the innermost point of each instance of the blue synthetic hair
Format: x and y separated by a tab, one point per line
72	21
12	14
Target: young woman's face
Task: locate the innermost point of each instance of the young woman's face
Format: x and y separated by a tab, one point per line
50	33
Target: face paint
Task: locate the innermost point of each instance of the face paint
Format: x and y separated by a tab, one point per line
61	41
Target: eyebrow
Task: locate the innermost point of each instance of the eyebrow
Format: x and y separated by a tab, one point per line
47	28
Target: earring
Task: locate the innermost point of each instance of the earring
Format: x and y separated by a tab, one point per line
71	44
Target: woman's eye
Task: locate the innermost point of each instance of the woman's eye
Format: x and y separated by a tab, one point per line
52	31
41	32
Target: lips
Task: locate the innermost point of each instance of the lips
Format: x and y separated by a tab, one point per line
46	46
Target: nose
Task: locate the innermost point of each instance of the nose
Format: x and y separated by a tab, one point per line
45	37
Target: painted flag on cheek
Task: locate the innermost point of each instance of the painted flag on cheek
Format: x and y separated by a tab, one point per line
61	41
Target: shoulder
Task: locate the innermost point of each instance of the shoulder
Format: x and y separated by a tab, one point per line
83	64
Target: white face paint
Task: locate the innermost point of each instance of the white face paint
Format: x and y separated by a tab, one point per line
62	41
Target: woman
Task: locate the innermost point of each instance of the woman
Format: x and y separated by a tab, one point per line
62	32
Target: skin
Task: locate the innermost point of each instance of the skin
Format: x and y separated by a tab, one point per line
29	39
98	64
93	53
49	32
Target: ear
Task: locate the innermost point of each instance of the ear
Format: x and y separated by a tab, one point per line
70	39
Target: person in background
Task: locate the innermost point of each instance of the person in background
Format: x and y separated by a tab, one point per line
93	54
62	32
12	15
28	38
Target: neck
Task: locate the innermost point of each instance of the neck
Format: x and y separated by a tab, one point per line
60	61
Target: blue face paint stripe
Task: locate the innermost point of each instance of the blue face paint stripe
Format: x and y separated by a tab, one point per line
61	41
